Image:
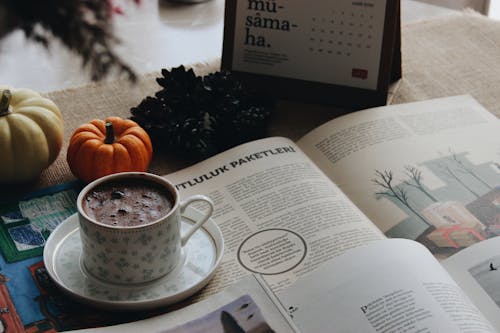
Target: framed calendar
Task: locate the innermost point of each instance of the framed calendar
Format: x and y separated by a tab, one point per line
341	52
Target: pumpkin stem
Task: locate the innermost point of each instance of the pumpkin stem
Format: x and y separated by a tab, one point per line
110	133
5	102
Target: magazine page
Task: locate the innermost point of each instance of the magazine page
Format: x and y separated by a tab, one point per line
477	271
393	285
280	216
427	171
246	306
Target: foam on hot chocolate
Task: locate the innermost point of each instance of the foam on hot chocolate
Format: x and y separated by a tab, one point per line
129	202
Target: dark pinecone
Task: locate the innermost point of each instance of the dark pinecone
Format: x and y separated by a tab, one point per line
199	117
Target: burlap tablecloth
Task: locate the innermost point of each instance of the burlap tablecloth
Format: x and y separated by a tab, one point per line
456	54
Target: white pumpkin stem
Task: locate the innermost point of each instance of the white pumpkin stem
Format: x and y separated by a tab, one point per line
110	133
5	102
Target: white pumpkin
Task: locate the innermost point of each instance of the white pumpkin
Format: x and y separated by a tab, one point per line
31	134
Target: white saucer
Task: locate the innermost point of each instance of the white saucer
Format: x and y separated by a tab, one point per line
200	257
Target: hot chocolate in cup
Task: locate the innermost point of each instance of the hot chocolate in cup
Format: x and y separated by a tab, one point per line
130	227
128	202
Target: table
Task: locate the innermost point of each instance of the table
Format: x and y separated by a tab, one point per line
451	55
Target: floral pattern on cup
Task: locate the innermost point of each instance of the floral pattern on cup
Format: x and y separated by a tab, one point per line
112	258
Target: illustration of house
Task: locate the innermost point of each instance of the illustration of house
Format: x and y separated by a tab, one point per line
455	225
487	209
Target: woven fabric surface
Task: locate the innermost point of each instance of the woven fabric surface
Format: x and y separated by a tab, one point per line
451	55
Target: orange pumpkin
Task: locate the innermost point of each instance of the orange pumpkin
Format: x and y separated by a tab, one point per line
103	147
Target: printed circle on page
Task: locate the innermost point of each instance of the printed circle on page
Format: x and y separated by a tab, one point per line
272	251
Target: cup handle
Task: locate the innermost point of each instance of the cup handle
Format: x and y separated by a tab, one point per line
184	204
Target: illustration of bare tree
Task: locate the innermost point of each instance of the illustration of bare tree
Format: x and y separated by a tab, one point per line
415	181
384	180
448	171
464	168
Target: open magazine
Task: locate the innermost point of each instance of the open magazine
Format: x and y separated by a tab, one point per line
312	218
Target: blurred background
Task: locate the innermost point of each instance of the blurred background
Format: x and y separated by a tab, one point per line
157	34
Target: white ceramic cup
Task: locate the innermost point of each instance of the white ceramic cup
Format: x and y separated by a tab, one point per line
135	254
